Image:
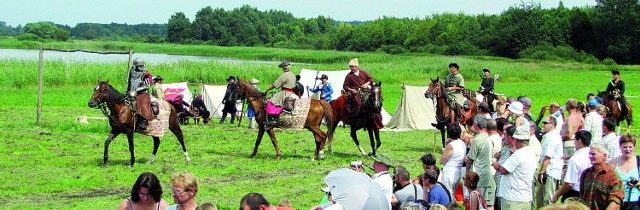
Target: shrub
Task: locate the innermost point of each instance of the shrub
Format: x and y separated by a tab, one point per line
609	61
29	37
546	51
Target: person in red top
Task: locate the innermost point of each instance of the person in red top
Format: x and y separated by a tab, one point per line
355	80
601	187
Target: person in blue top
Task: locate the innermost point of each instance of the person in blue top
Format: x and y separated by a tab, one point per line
325	88
433	192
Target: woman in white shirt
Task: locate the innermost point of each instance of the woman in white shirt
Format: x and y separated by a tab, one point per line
452	158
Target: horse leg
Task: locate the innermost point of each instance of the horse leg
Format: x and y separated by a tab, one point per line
259	139
442	136
156	144
354	136
371	140
376	133
174	126
274	141
111	136
131	149
320	138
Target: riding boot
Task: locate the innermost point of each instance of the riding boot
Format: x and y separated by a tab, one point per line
459	112
252	123
233	117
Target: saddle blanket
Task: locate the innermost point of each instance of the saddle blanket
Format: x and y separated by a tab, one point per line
298	118
159	125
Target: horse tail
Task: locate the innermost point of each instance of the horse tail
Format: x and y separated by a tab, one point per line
327	114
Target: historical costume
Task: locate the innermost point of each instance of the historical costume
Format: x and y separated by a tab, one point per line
139	81
616	88
286	82
454	83
229	101
324	88
486	89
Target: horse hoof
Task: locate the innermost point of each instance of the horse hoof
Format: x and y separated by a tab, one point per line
188	160
105	165
277	157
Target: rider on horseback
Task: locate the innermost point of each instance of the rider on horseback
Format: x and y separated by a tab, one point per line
356	80
616	88
454	83
139	81
286	82
486	88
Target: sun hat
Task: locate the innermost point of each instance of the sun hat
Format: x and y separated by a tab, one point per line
516	107
382	158
522	133
525	102
353	62
254	81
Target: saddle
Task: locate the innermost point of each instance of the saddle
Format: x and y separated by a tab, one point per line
289	104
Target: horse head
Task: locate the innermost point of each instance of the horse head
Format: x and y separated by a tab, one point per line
240	92
435	89
100	93
376	95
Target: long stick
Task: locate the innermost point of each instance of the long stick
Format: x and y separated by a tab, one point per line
39	106
315	80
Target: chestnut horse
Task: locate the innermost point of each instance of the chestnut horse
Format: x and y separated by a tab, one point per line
614	110
318	109
372	107
444	113
115	106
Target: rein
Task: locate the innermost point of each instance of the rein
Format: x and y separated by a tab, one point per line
440	118
104	107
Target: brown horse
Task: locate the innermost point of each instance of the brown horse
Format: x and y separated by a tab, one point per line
372	106
318	109
115	106
614	110
444	113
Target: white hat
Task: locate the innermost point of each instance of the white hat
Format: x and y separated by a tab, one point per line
254	81
522	133
516	107
353	62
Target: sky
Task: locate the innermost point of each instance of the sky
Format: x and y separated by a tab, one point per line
71	12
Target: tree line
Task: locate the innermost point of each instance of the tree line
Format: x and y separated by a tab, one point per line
608	32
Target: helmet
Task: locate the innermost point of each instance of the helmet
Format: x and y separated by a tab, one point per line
138	62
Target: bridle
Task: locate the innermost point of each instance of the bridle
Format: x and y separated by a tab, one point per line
439	93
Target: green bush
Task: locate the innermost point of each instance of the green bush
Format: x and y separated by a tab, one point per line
609	61
546	51
29	37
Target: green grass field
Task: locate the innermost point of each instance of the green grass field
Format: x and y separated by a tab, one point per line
58	165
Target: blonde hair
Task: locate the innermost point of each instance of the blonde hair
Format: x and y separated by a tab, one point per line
285	203
438	207
207	206
187	179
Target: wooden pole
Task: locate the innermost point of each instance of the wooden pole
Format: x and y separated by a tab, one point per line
39	109
130	59
434	142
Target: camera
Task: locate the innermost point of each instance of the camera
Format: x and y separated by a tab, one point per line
632	181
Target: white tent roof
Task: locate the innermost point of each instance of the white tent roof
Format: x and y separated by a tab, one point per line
212	96
414	111
336	79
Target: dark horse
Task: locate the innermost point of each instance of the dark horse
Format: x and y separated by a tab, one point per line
318	109
614	110
444	113
371	108
115	107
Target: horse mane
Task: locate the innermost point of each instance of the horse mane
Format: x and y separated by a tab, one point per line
250	90
119	97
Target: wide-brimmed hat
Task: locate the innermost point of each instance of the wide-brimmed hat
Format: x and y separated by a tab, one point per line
384	159
522	133
515	107
158	78
486	70
353	62
284	64
324	76
231	78
615	72
254	81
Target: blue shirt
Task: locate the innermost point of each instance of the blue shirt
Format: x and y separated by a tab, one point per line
326	89
438	195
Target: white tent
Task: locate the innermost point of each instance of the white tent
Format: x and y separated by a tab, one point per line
414	111
212	96
336	79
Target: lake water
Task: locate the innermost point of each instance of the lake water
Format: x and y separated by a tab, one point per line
114	58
